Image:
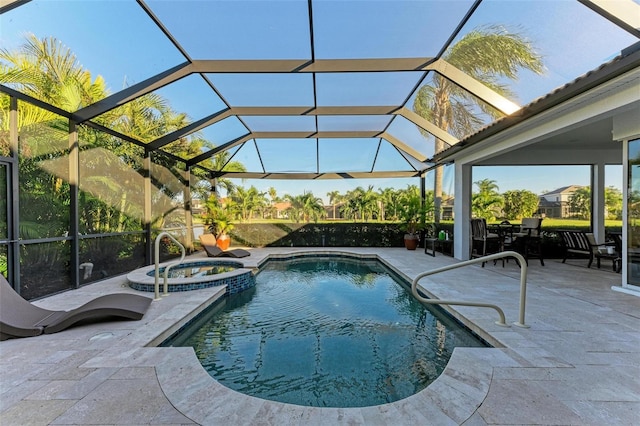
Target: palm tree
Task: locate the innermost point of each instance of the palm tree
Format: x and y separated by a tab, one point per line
305	207
222	162
46	70
49	71
248	200
487	200
334	198
369	203
489	54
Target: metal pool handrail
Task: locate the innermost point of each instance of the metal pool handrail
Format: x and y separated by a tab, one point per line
166	269
501	255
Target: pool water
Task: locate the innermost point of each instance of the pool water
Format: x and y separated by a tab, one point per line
321	332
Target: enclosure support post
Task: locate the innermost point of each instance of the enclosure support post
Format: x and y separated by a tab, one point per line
147	207
74	180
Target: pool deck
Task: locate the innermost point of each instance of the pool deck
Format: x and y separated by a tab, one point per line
578	363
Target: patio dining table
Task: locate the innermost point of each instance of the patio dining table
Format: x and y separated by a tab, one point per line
505	233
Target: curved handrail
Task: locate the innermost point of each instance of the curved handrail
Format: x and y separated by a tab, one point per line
166	269
501	255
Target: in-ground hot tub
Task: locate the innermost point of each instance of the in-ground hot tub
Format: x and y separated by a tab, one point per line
195	275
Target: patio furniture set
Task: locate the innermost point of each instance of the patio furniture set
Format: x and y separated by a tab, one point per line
524	238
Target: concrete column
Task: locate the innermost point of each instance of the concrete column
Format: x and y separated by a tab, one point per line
462	210
597	202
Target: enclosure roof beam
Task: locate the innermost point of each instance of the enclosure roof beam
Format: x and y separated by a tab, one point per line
314	176
403	146
225	146
310	66
427	126
7	5
623	13
477	88
133	92
191	128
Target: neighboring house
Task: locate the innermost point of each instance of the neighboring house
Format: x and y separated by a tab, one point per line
334	211
447	208
281	209
556	203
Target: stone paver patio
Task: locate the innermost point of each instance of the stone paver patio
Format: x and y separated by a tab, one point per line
578	363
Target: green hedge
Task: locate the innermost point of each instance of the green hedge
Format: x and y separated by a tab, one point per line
318	235
354	235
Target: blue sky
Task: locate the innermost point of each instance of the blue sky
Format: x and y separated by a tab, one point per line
136	49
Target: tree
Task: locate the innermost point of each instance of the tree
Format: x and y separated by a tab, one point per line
613	202
361	202
491	55
334	198
368	203
580	202
49	71
218	217
487	201
273	194
305	207
519	203
248	200
222	162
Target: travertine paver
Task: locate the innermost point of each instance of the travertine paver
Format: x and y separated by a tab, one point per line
577	364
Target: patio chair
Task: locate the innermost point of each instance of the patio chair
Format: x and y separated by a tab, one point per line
20	318
208	242
483	242
579	244
528	240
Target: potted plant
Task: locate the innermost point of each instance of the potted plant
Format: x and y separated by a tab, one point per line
219	218
413	215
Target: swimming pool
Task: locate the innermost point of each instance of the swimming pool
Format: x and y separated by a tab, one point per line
325	332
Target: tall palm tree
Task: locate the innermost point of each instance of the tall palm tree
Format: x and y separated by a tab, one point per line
369	203
273	194
334	198
492	55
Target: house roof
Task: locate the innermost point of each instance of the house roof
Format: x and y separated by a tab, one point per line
564	190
